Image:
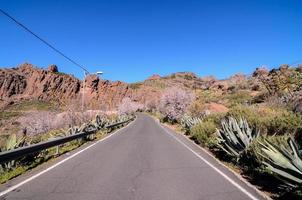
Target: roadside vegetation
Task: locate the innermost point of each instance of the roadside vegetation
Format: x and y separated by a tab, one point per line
38	122
254	126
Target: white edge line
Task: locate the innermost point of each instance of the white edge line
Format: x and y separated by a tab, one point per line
251	186
213	167
59	163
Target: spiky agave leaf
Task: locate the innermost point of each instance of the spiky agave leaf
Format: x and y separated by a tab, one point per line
284	163
14	142
187	122
100	121
297	161
235	136
11	142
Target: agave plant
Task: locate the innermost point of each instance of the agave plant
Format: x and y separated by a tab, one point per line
121	118
235	136
187	122
13	142
101	122
285	163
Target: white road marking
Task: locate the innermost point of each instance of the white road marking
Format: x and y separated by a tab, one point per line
212	166
59	163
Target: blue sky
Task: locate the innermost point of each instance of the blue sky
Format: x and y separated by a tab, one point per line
131	40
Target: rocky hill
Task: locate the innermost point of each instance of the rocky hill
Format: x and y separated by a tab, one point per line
27	82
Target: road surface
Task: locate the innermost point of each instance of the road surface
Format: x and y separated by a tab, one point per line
144	161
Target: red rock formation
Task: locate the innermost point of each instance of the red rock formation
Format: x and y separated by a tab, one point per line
154	77
29	82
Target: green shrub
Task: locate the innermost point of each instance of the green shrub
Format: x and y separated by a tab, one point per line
239	97
207	96
272	121
5	115
202	133
215	118
28	105
286	123
135	86
158	83
188	77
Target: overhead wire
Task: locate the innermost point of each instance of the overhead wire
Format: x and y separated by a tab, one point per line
44	41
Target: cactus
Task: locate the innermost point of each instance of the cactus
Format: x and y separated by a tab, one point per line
235	136
285	164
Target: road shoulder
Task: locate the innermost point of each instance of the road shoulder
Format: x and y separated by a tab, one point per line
207	156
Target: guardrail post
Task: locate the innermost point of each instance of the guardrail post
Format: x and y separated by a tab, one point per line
57	150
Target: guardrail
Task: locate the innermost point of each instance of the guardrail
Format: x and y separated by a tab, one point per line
118	123
23	151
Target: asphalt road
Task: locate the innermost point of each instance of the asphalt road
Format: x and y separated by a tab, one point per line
143	161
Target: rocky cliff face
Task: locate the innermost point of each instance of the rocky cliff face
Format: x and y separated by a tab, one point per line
27	82
104	94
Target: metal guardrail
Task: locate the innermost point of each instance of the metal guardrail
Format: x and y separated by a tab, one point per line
118	123
23	151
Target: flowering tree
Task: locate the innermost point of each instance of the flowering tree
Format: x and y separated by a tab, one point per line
129	107
71	118
37	122
152	105
43	121
174	103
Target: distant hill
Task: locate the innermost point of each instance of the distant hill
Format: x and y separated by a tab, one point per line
27	82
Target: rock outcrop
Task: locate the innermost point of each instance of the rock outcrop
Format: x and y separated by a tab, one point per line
53	68
29	82
154	77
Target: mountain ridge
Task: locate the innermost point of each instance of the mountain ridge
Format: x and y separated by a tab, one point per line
28	82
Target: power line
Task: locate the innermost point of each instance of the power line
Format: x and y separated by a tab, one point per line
42	40
295	63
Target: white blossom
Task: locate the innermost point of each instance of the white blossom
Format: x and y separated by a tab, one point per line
174	103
